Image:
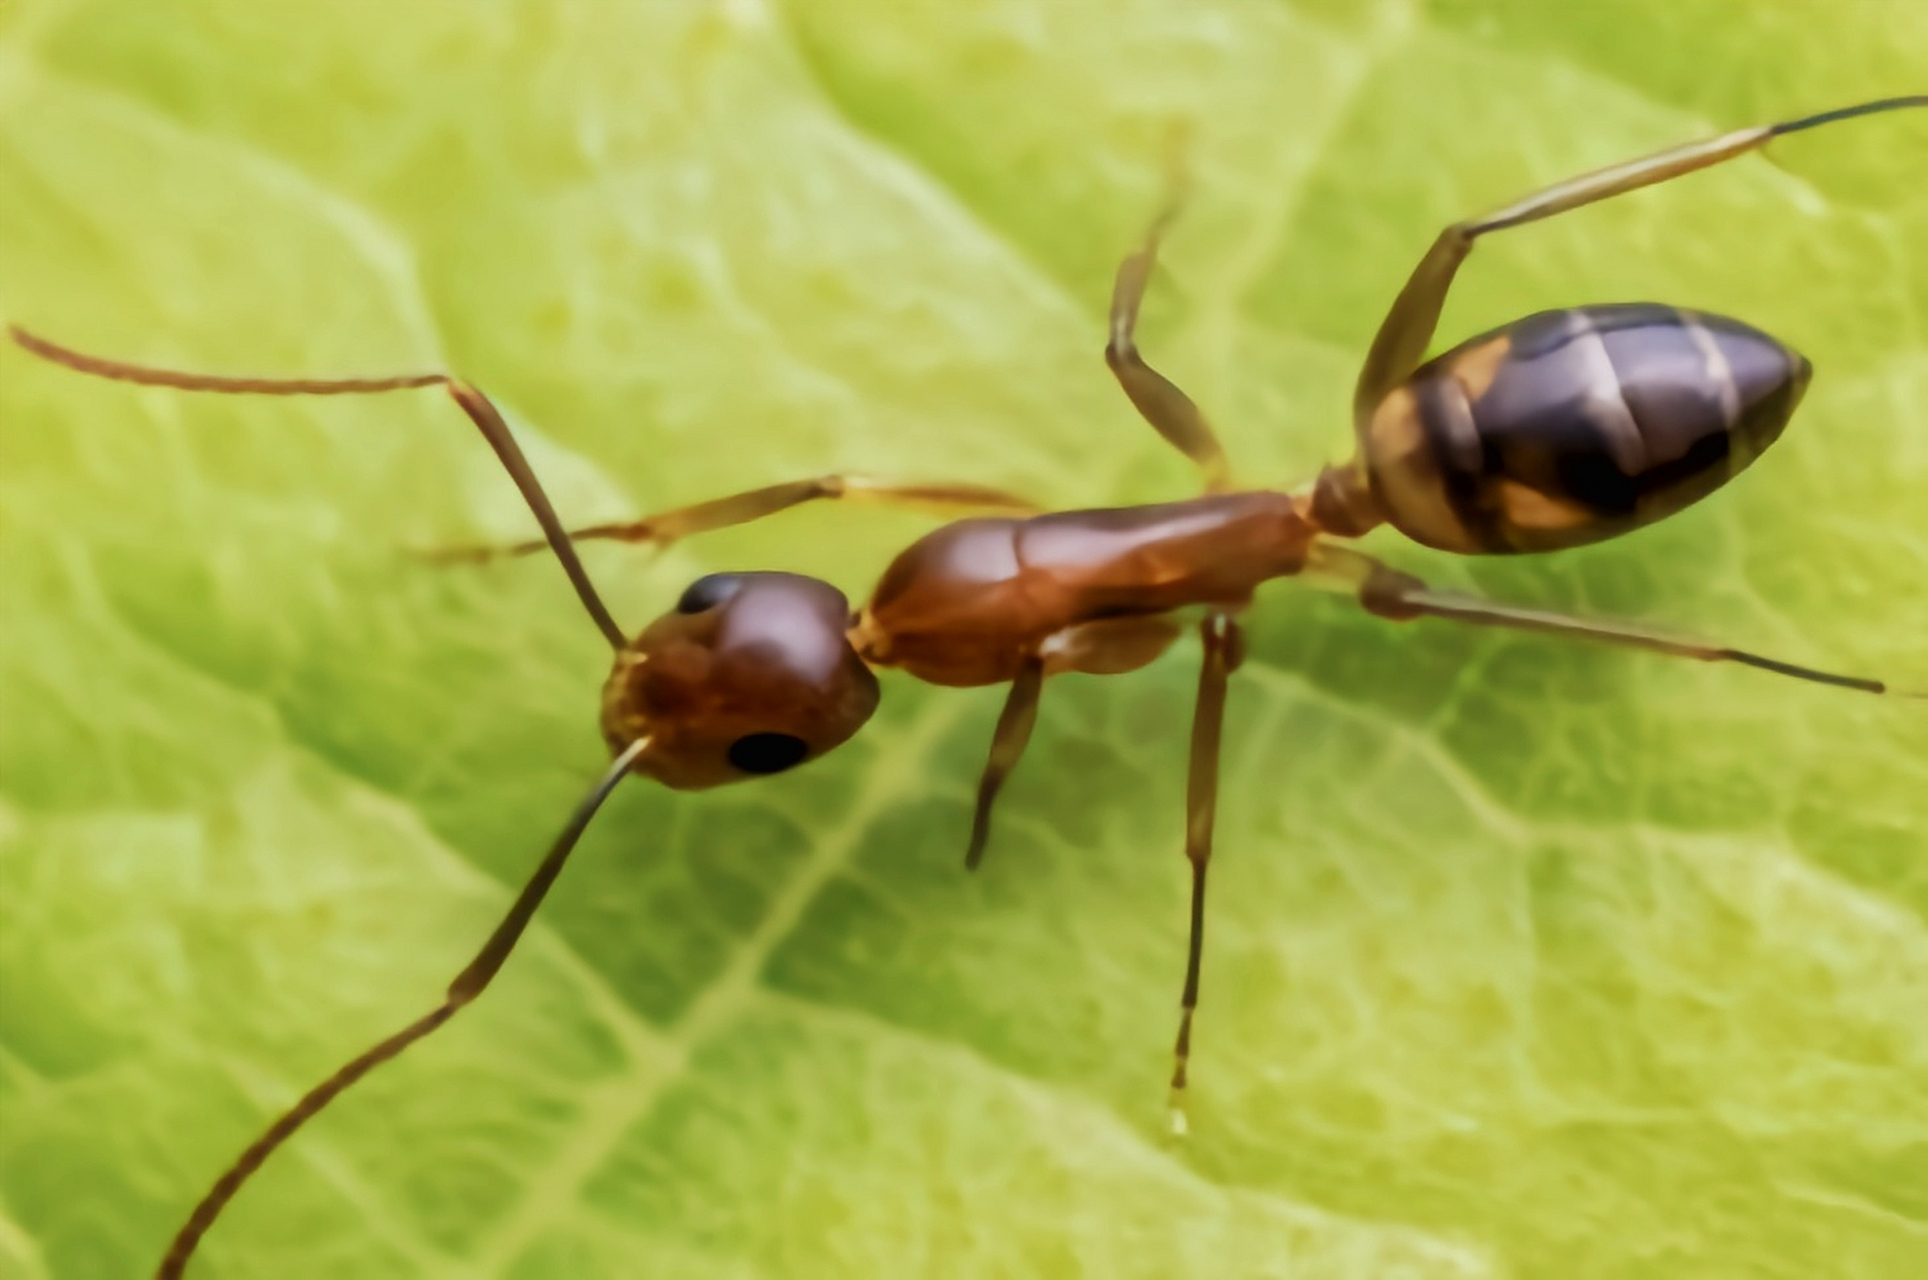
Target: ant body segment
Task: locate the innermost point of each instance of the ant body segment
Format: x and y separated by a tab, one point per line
1560	429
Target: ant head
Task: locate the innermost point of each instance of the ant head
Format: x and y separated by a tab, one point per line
750	674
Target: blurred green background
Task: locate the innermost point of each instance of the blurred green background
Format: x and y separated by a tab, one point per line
1525	960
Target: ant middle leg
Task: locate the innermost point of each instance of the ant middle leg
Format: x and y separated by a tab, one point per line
1224	649
666	527
1400	596
1408	327
1171	412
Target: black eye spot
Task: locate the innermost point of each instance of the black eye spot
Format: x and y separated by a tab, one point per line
767	752
709	591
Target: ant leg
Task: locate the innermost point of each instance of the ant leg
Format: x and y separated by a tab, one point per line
1007	745
667	527
1408	328
1170	411
487	419
470	983
1400	596
1223	652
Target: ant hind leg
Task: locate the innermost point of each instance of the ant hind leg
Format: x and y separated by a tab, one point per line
1390	593
1223	650
1408	327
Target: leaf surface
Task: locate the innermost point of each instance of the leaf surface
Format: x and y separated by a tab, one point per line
1525	960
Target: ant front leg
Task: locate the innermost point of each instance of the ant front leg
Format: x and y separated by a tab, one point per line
1012	735
1224	649
1103	646
666	527
1399	596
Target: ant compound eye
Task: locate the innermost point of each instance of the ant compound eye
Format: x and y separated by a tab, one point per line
751	674
767	752
709	591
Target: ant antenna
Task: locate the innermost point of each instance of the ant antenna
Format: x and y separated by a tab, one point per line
486	417
1848	113
468	984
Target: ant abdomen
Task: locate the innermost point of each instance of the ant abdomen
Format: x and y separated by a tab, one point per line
1572	426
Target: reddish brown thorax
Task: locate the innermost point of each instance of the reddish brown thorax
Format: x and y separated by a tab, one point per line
1090	590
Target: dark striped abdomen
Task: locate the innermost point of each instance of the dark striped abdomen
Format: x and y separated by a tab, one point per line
1572	426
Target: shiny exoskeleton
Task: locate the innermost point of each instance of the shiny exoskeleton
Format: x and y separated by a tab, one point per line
1563	428
1087	591
1572	426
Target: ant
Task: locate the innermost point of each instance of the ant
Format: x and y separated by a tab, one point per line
1563	428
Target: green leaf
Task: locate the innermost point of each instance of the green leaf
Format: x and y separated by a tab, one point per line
1525	960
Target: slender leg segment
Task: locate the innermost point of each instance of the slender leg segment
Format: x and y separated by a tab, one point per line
487	419
1400	596
1223	652
468	984
1407	329
666	527
1013	732
1170	411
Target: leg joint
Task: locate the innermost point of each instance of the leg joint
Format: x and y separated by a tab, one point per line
1385	592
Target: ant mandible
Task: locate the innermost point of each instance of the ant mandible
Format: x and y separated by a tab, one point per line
1564	428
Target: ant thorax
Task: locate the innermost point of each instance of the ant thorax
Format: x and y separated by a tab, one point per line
970	603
